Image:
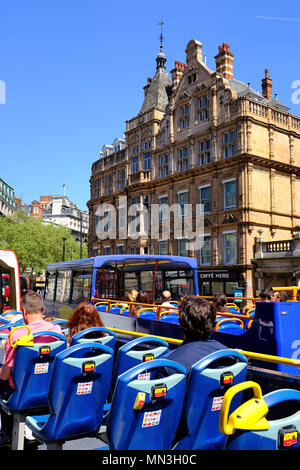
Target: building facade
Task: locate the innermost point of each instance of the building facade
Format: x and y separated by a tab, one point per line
202	141
59	210
7	199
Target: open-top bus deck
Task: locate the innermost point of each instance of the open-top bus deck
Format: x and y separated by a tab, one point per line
265	346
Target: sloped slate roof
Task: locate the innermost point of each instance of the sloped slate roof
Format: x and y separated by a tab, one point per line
244	90
157	96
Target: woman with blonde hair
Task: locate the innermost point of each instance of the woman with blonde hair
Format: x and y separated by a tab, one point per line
84	316
132	295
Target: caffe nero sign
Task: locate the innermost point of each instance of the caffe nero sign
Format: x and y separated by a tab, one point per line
216	275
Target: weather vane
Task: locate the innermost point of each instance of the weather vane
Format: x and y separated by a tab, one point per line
161	37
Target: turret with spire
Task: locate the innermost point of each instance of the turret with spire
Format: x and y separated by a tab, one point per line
157	93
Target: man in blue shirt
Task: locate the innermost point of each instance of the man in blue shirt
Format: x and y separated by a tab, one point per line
197	319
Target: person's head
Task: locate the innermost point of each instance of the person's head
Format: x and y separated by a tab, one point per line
32	306
84	316
132	295
166	296
266	295
142	297
298	296
283	297
219	301
275	297
196	318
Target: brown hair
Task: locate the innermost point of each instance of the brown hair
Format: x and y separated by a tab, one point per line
197	318
33	302
220	301
84	316
142	297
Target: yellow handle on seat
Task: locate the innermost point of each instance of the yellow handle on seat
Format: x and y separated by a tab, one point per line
249	416
24	340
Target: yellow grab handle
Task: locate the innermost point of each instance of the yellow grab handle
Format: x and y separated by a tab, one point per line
24	340
250	415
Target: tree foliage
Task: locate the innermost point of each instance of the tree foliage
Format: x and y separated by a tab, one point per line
37	244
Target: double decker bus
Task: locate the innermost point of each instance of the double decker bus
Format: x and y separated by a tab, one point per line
10	286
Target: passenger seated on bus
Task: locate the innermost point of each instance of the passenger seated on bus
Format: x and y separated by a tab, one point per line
283	297
84	316
33	309
275	297
298	296
142	298
266	295
219	301
197	319
132	295
166	297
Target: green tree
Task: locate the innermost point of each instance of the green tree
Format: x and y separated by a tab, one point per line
37	244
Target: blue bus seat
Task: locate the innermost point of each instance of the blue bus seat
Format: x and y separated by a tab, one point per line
207	383
78	390
82	337
118	307
145	413
233	326
136	351
259	426
63	325
31	375
150	315
102	306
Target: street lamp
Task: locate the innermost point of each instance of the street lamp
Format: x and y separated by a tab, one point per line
64	241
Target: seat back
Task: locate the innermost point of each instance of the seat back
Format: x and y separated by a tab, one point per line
83	337
144	414
233	326
207	384
266	429
136	351
32	370
78	390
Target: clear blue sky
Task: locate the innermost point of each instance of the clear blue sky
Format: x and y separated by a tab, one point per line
74	72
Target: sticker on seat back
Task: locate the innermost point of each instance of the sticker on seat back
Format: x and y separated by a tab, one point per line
84	388
217	403
41	368
145	376
151	418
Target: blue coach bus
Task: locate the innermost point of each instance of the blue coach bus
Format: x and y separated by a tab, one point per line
110	278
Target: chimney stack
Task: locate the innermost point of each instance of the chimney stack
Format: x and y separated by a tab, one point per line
177	73
224	61
266	86
146	87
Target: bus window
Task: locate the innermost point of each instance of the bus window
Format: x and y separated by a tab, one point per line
106	283
81	286
146	283
131	281
50	286
179	283
63	286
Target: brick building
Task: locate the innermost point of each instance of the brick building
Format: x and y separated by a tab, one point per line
201	137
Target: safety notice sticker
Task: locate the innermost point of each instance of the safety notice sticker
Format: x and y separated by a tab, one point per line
151	418
84	388
41	368
217	403
145	376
